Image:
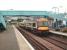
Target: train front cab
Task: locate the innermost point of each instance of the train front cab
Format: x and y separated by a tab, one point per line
43	30
42	26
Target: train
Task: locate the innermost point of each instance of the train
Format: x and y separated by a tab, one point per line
39	26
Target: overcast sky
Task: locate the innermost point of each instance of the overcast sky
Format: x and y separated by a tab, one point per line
34	5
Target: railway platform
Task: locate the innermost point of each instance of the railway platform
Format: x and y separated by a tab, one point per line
11	39
59	33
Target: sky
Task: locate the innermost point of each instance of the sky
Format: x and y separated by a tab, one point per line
34	5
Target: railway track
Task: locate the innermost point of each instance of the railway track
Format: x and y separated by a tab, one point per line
61	39
34	43
56	42
43	43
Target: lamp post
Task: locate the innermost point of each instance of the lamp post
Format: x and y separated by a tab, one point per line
56	9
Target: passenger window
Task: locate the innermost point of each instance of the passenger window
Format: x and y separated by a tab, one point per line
34	25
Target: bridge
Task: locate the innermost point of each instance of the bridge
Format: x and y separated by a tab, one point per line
4	13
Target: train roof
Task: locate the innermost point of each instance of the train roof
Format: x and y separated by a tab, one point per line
28	21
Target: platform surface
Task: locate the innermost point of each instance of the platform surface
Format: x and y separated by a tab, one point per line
59	33
9	40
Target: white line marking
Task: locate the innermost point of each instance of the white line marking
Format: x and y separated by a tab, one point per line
23	38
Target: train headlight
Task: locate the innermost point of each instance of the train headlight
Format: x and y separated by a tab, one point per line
43	28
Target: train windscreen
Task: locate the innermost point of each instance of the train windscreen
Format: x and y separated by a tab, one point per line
43	24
